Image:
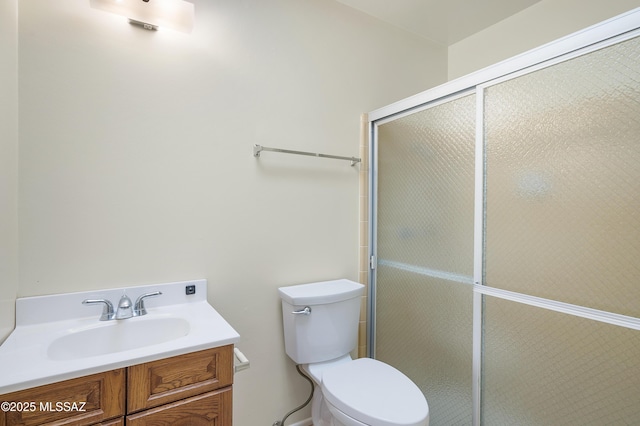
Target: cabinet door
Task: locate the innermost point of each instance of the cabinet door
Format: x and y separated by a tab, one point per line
164	381
83	401
209	409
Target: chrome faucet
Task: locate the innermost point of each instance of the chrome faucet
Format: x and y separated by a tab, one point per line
125	309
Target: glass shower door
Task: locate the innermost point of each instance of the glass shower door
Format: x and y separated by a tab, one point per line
424	272
563	227
507	235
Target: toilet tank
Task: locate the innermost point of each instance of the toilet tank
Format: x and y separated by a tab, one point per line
330	329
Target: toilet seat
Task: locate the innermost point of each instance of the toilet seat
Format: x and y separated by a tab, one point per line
375	394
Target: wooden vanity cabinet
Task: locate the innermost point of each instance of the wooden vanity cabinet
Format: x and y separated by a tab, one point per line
192	389
168	380
195	386
209	409
97	397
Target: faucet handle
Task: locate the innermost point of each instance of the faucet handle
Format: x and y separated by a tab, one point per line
139	308
107	312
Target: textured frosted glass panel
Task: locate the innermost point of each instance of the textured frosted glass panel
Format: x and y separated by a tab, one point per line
425	187
425	253
546	368
563	181
424	329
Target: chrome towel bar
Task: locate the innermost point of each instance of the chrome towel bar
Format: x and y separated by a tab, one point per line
257	149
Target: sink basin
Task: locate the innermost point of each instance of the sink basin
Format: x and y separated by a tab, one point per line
116	336
57	337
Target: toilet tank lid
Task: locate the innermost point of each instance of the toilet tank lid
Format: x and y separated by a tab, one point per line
319	293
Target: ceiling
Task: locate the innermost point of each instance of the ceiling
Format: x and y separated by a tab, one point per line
444	22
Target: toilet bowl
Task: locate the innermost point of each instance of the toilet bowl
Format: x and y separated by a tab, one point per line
320	327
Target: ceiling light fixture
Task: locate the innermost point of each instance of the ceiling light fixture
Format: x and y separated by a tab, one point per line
152	14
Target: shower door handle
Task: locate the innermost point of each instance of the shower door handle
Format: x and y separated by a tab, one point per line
304	311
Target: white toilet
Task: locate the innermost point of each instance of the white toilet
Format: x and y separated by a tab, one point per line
320	330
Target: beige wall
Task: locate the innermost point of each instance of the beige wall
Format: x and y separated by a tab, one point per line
8	164
136	161
539	24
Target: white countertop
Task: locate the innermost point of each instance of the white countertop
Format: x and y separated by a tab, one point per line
24	362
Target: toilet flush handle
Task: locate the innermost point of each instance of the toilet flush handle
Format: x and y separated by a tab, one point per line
304	311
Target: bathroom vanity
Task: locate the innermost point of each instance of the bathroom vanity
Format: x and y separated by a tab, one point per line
173	365
195	386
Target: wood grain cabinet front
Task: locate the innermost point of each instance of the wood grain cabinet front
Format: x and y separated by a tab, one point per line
86	400
193	389
168	380
209	409
114	422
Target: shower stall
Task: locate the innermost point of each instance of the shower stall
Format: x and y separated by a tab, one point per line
505	236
